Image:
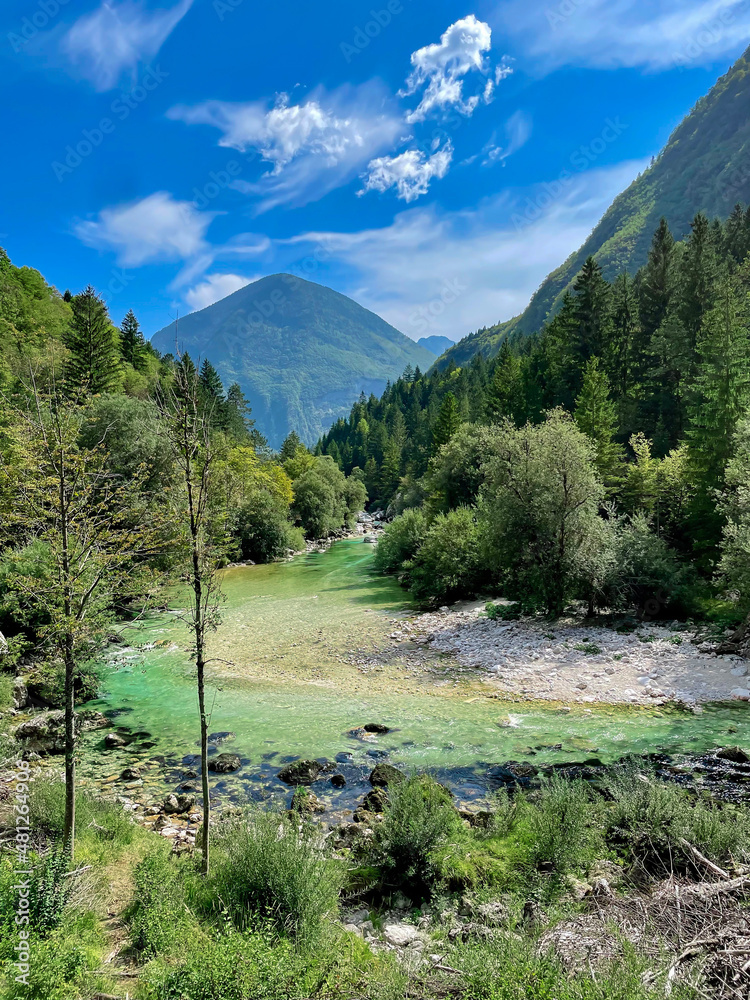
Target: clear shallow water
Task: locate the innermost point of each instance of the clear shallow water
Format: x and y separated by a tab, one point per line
288	627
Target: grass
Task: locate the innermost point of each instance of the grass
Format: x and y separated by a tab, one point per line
590	648
6	692
265	923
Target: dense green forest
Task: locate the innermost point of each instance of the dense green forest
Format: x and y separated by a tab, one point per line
605	458
63	363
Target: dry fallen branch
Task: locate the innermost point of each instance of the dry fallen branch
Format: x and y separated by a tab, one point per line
703	860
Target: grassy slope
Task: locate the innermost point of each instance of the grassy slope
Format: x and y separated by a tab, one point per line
704	167
301	352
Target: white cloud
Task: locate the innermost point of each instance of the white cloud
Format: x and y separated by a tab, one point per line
410	172
313	146
117	37
155	228
440	69
655	34
214	288
518	131
452	273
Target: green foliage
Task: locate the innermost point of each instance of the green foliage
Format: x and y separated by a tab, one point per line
539	510
503	612
94	363
401	540
263	530
447	563
650	821
265	867
418	823
324	499
158	917
98	822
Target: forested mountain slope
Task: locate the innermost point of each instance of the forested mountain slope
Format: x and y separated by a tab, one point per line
705	167
301	352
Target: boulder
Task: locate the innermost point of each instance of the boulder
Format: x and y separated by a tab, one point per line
20	693
400	935
225	763
306	803
216	739
45	733
384	775
338	781
130	774
735	755
376	727
375	801
301	772
177	804
113	741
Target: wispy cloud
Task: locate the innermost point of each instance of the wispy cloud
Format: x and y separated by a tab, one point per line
117	37
410	173
156	228
213	288
397	270
654	34
439	70
312	147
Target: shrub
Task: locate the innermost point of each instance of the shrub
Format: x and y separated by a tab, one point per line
446	564
557	834
400	541
503	612
419	819
263	530
158	918
264	866
649	819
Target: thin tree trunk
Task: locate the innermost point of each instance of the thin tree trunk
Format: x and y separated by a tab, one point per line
70	749
200	657
204	766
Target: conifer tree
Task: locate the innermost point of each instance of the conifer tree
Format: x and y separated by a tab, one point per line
592	309
132	344
700	273
505	395
448	422
5	264
211	386
737	235
625	347
657	285
289	447
94	363
723	395
596	416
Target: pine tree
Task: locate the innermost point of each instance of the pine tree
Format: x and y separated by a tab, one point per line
211	385
94	362
736	235
5	264
657	282
699	274
592	309
625	349
505	395
290	446
723	396
132	344
448	422
596	416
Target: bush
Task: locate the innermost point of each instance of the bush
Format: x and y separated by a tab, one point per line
324	499
418	821
400	541
504	612
158	918
446	565
649	819
264	866
263	530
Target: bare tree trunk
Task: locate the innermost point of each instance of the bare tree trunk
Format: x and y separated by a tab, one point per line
204	766
70	749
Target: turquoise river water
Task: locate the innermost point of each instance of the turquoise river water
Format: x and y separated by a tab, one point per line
284	684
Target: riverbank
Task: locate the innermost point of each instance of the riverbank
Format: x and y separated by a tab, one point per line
580	661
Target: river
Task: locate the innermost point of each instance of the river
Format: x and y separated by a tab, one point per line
296	669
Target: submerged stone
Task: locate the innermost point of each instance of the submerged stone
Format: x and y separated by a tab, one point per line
301	772
225	763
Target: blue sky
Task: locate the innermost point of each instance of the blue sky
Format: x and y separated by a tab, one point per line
432	160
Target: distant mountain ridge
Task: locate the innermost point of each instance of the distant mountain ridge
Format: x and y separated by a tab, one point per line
436	344
301	352
705	167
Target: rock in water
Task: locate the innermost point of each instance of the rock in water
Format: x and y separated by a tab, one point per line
385	774
376	727
300	772
306	803
735	755
45	733
225	763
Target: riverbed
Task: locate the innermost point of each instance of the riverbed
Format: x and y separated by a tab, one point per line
312	650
